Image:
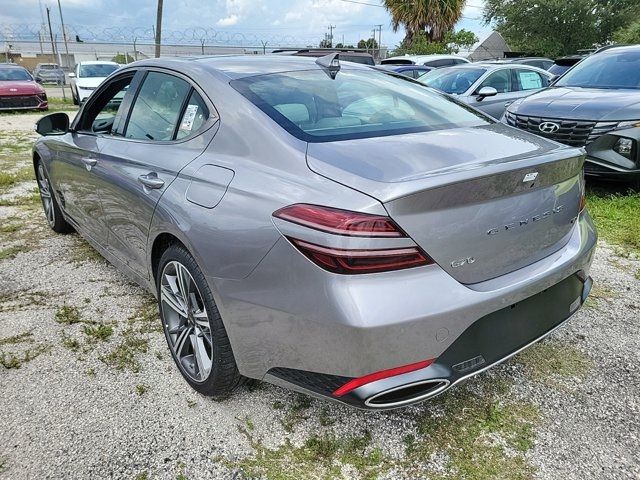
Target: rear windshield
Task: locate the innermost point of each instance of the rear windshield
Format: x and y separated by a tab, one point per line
556	69
609	69
363	59
48	66
452	80
356	104
396	61
97	70
18	73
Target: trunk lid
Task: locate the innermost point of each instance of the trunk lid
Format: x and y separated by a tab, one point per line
482	202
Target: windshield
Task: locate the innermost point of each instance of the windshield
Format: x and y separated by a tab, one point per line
97	70
612	69
19	73
452	80
356	104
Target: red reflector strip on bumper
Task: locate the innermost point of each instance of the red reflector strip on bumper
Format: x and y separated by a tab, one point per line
372	377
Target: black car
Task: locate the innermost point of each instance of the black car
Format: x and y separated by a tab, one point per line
562	64
595	105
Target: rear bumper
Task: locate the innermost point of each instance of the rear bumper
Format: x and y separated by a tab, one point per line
489	341
290	318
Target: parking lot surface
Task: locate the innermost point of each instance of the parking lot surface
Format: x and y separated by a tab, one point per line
89	390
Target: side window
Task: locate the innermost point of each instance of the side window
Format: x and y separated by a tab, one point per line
500	80
530	80
157	107
194	116
106	110
439	63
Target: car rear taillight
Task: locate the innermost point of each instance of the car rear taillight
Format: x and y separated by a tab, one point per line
355	224
340	222
583	194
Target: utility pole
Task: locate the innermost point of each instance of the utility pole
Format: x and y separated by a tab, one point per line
53	47
135	50
64	36
158	28
330	28
377	28
264	47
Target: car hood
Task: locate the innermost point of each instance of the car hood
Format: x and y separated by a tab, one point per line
89	82
574	103
26	87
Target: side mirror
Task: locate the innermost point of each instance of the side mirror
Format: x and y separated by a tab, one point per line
53	124
72	75
38	80
486	92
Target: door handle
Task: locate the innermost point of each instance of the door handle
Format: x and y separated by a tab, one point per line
89	162
151	180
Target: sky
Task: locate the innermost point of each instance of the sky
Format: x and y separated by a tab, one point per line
302	22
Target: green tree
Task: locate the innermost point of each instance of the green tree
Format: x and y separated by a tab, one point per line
558	27
453	43
628	34
433	18
123	58
369	44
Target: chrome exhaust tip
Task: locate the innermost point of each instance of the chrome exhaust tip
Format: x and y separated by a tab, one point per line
407	394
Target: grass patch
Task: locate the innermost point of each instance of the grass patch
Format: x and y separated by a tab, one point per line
16	360
70	343
67	315
124	355
84	252
11	252
480	435
616	216
24	337
296	414
11	179
599	293
547	359
321	456
141	389
100	332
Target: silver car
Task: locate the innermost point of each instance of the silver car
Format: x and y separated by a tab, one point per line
328	228
488	87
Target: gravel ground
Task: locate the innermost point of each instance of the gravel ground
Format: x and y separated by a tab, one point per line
88	388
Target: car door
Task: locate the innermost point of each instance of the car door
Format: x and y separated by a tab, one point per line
141	159
502	81
76	169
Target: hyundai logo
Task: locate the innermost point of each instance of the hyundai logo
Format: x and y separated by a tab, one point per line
548	127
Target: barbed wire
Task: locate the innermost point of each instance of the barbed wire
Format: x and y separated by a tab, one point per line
189	36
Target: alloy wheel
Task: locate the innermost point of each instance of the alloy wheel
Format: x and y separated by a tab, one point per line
45	196
186	321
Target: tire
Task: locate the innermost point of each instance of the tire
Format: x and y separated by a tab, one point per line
52	211
199	346
74	98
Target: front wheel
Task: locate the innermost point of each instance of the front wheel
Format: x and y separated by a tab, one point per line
49	203
193	327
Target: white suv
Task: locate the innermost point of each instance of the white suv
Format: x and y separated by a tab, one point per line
86	77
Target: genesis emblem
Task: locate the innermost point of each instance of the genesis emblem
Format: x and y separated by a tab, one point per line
530	177
548	127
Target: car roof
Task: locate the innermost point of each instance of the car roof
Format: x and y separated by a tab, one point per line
492	66
239	66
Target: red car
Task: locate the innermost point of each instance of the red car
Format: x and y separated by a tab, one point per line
19	91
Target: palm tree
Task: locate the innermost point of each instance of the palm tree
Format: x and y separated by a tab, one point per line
434	18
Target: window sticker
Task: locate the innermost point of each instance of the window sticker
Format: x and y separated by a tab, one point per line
530	80
189	117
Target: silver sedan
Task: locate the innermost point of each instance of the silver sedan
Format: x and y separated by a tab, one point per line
488	87
328	228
